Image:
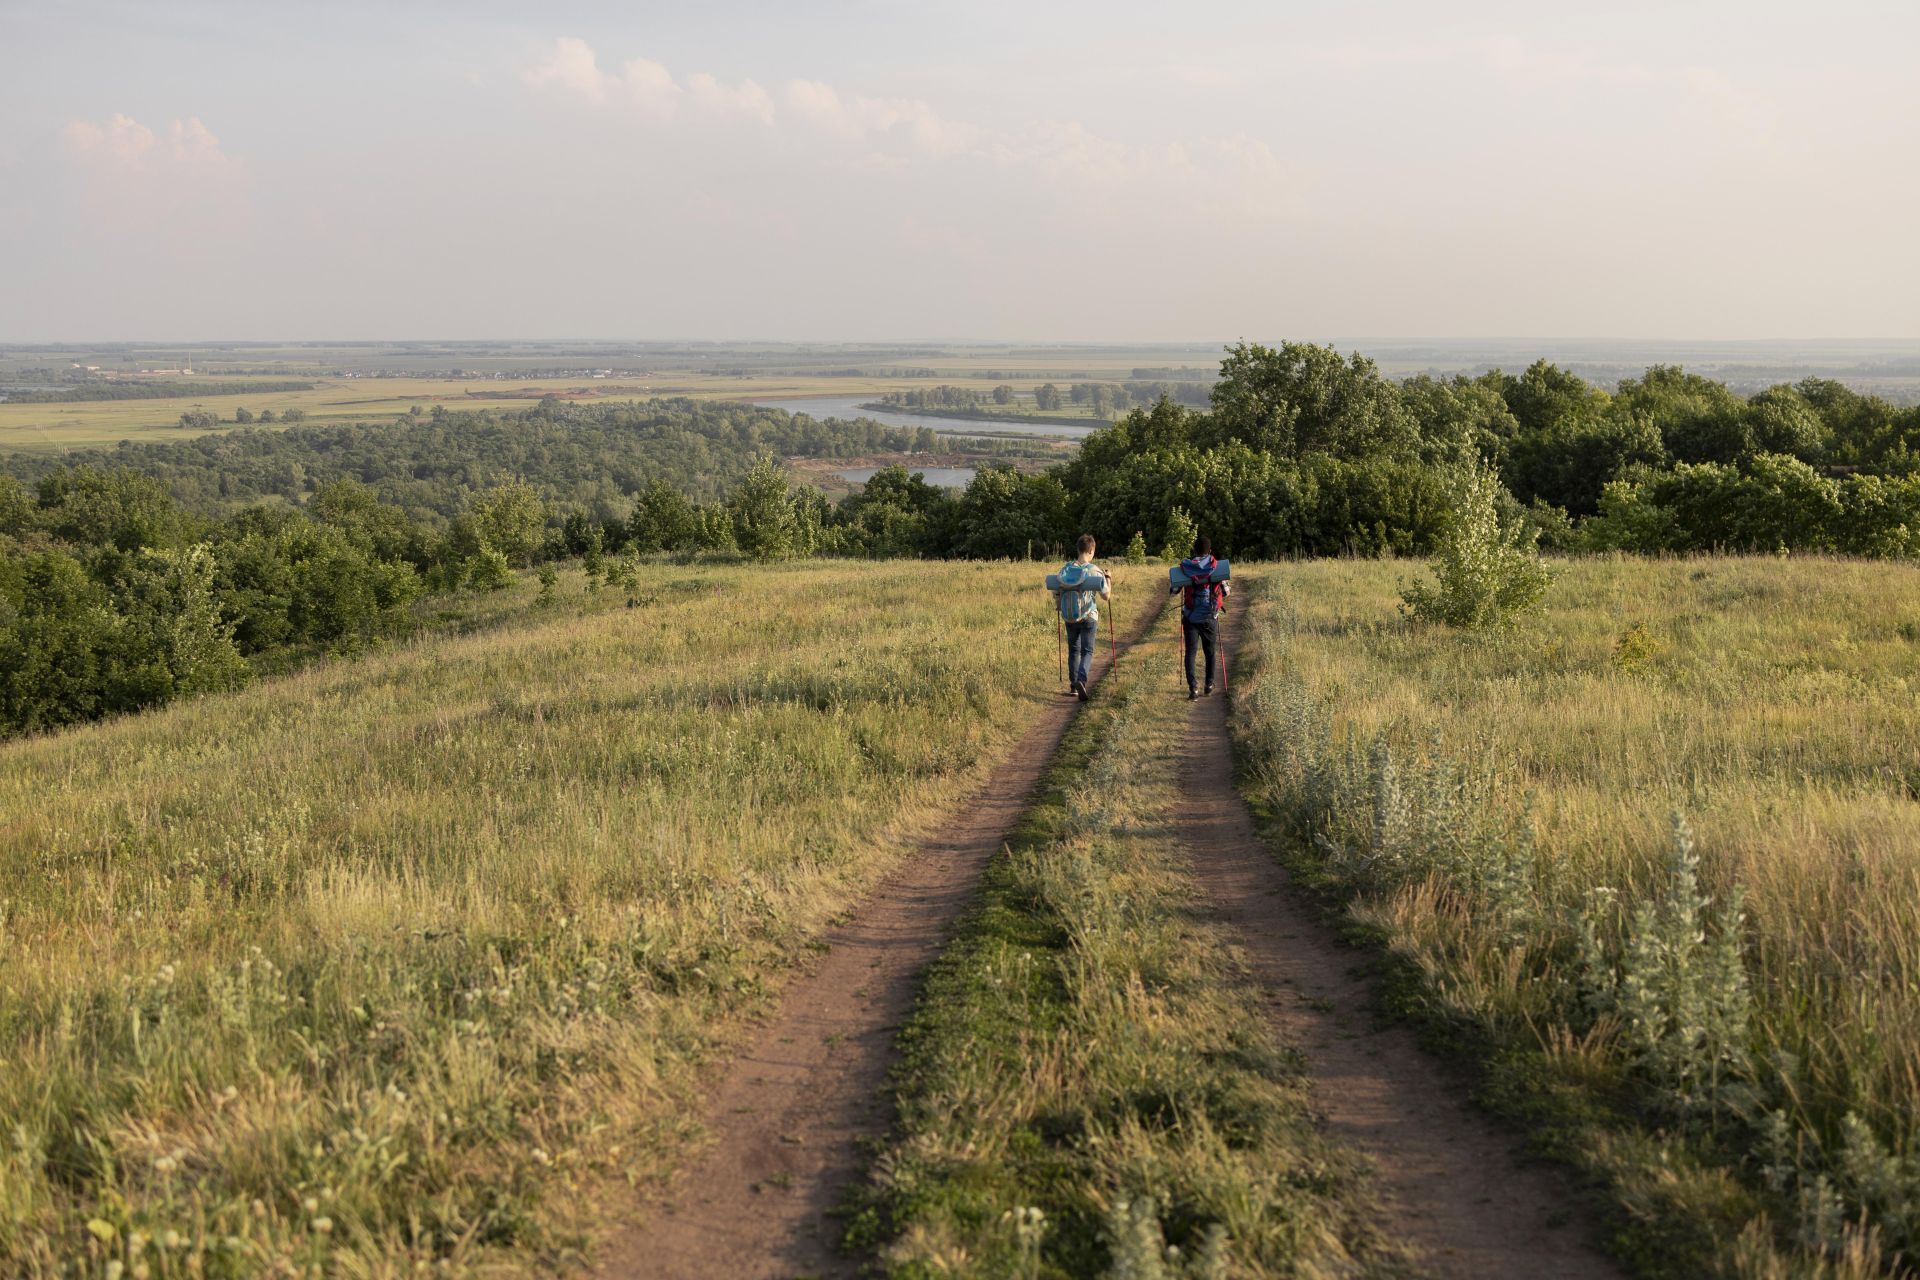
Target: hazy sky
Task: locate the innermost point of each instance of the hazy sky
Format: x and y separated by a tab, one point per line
891	170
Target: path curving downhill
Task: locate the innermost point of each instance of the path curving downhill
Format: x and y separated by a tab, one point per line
786	1117
1451	1182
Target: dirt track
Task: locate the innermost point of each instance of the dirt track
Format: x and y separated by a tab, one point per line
786	1116
1450	1180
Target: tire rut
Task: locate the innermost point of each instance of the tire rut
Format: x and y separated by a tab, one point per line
787	1115
1453	1184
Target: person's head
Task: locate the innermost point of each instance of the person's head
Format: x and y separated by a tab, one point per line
1086	546
1202	546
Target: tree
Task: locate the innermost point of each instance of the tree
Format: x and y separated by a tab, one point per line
766	521
1180	536
1046	397
509	518
1137	548
1484	574
1299	399
1547	394
200	652
1003	394
662	519
243	416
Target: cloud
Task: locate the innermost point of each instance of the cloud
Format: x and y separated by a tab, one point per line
573	67
893	131
888	124
125	143
173	185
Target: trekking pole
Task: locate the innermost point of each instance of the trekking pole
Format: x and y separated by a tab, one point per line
1113	639
1221	645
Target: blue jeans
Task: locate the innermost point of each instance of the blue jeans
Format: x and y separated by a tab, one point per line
1080	649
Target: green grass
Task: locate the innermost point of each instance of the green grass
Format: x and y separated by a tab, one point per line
1086	1080
410	959
1520	850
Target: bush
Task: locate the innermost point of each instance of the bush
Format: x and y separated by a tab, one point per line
1484	574
488	571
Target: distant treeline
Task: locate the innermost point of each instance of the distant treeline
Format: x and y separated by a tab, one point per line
591	457
1103	398
158	389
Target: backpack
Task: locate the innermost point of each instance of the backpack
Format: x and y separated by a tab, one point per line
1201	601
1080	591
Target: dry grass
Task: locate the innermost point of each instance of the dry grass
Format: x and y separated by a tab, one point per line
357	969
1773	703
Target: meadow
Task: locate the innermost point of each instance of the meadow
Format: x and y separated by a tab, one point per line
413	959
1654	853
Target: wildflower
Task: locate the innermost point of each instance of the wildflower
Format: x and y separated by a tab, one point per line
323	1225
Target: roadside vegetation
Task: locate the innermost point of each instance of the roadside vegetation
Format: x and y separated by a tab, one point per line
1088	1088
1652	854
391	962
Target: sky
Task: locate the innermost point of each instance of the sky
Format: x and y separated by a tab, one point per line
880	170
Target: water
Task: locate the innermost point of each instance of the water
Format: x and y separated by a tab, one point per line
945	477
824	407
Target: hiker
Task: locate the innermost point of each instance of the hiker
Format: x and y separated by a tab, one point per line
1080	610
1202	605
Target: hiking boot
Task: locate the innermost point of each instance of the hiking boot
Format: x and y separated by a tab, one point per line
1192	694
1208	693
1083	693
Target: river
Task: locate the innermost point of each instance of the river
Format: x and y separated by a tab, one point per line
823	407
945	477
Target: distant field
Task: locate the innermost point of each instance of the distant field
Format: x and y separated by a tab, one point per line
50	428
389	961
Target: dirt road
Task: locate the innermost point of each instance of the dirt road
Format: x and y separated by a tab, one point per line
787	1115
1450	1179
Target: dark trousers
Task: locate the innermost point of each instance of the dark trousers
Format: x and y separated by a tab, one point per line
1204	635
1080	649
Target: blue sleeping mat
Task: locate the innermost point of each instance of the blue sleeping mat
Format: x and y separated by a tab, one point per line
1181	578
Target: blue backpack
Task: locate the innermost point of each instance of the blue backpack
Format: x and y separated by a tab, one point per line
1203	598
1080	586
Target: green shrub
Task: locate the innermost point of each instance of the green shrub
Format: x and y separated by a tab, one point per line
1484	574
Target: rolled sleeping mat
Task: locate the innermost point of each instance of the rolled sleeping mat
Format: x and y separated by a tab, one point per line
1092	582
1179	577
